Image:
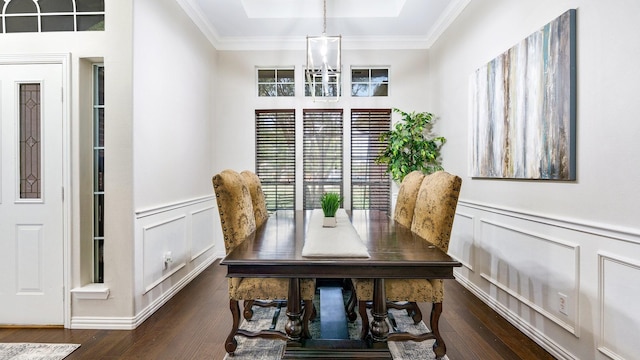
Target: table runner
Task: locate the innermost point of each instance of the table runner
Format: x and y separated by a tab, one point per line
340	241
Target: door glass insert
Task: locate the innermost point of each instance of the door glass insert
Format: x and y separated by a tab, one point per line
30	142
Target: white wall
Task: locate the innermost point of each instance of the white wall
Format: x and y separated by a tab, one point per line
173	66
524	242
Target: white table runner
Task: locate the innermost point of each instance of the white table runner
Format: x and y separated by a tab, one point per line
340	241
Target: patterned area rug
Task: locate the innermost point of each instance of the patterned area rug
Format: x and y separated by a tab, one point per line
35	351
263	349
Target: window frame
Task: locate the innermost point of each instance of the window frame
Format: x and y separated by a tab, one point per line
278	192
365	147
370	84
276	83
317	158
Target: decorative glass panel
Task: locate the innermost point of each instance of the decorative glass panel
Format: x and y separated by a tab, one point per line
30	142
50	6
21	24
21	7
90	5
57	23
90	22
52	15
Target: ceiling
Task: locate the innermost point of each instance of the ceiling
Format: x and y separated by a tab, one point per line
284	24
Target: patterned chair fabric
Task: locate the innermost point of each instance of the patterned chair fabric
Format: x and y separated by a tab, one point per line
406	201
436	208
238	223
257	197
432	220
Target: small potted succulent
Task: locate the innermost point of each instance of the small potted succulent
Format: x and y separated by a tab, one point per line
330	204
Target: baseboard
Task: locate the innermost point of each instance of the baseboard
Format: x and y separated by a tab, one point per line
130	323
534	334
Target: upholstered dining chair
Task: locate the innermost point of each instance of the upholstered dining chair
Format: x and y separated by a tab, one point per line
257	196
402	214
238	223
407	195
433	216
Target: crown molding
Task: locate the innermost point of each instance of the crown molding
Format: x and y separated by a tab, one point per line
452	11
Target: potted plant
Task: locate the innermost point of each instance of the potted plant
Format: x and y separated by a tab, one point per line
410	146
330	204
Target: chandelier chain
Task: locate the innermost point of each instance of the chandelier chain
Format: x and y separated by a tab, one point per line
324	24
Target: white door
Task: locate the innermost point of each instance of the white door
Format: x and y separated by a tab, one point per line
31	198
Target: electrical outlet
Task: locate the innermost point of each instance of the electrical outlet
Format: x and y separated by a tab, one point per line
562	303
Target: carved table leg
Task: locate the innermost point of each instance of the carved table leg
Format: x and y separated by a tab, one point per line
439	348
379	326
294	311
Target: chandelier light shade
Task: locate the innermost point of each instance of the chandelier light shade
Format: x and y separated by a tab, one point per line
323	64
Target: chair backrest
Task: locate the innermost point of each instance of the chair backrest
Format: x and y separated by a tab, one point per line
406	201
235	208
436	208
257	197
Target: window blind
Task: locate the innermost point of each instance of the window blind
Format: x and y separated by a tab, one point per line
276	156
322	154
370	185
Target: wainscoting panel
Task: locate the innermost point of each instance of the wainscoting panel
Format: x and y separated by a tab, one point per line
202	239
164	253
461	245
174	243
571	286
619	293
536	270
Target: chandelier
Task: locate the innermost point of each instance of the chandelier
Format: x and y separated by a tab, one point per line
323	64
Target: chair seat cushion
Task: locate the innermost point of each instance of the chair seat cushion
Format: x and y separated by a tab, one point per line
268	288
414	290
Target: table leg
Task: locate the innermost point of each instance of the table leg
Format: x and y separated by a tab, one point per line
379	325
294	311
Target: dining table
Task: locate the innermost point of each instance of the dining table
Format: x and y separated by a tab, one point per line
277	250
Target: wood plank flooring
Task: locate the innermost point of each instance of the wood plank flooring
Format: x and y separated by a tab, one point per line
195	323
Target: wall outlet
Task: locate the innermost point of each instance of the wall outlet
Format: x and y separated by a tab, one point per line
562	303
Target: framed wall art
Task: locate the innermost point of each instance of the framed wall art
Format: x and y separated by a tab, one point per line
523	108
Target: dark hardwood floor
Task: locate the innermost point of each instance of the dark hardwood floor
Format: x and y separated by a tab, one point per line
195	323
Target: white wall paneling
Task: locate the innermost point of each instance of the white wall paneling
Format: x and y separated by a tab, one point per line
619	291
522	262
186	230
202	238
462	246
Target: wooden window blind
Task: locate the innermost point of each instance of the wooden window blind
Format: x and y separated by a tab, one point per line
276	157
322	154
370	184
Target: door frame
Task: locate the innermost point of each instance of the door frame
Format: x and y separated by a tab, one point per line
64	59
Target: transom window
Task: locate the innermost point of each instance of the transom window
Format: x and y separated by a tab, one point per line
369	82
276	82
324	87
51	15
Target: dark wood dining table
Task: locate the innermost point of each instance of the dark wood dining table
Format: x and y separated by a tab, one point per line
274	250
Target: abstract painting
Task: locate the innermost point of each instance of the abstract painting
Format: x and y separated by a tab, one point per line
523	107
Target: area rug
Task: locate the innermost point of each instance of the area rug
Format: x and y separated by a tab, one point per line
35	351
264	349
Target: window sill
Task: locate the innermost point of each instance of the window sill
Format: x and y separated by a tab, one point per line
95	291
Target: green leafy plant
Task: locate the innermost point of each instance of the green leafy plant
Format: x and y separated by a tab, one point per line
330	203
410	146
